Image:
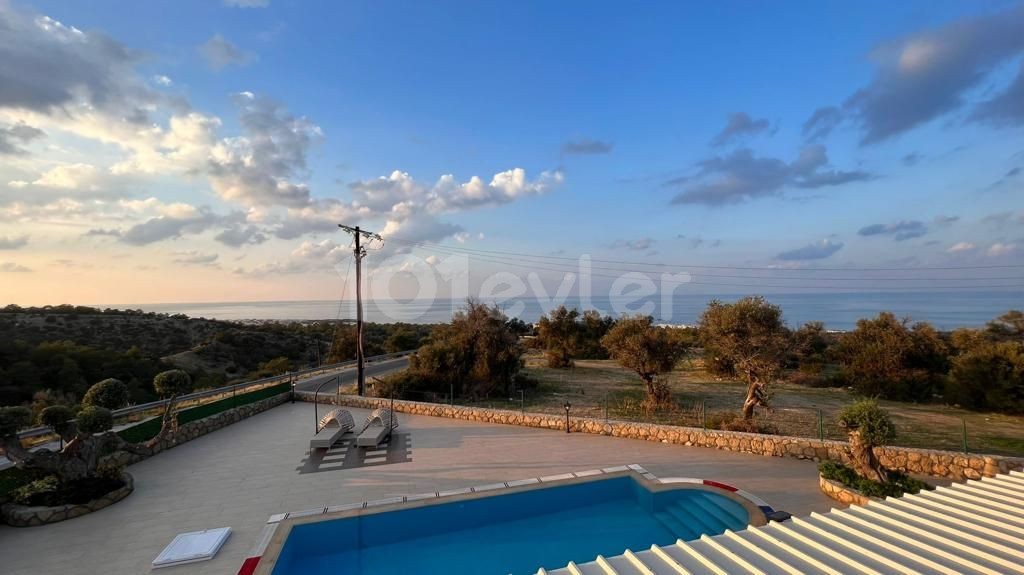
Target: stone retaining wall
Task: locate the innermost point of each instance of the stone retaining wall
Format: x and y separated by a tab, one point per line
952	465
25	516
193	429
842	493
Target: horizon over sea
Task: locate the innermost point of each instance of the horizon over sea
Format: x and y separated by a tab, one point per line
838	311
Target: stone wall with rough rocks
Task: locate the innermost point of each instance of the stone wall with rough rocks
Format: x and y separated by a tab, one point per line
952	465
842	493
200	427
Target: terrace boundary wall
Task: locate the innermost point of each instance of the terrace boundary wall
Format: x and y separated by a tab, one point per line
193	429
947	464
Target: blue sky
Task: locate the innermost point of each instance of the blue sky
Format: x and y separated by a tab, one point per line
616	114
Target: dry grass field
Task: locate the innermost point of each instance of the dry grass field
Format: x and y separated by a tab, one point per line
599	387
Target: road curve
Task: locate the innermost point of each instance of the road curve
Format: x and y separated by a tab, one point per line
348	374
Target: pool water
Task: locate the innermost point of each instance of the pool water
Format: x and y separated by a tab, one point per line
510	533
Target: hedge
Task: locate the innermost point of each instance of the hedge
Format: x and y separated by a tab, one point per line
14	477
149	428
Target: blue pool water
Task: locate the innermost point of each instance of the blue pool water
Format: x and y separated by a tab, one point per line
512	533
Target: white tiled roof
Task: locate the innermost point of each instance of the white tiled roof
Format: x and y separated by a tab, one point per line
973	527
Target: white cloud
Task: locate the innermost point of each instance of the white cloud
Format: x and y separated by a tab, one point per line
162	80
1001	249
69	177
961	247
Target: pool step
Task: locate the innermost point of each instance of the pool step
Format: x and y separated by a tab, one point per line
724	515
695	518
678	528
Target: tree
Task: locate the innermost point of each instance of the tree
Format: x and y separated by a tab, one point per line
343	346
59	418
1010	325
476	354
276	366
593	327
868	426
749	339
89	439
110	393
559	335
989	375
637	344
402	339
883	357
809	345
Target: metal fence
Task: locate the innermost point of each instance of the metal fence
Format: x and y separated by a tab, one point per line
698	412
141	411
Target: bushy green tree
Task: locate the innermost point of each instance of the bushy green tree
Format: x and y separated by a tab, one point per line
886	357
172	383
868	426
110	393
94	419
476	354
59	418
989	375
637	344
559	334
747	339
593	327
1009	326
809	347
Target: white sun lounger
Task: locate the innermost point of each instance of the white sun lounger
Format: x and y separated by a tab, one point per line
378	426
330	429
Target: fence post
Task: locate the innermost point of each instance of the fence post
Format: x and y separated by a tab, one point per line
821	427
964	422
451	395
606	407
704	413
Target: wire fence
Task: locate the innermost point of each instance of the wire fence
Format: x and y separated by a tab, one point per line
957	436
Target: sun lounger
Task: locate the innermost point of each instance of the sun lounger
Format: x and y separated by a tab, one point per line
330	429
378	426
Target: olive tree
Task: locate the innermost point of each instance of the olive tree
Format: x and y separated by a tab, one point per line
89	438
110	393
637	344
559	333
749	339
868	426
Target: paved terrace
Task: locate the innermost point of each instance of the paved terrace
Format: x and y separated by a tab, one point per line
240	475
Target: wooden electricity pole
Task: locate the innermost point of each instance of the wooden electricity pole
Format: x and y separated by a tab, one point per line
360	253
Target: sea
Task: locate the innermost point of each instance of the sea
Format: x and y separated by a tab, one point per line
838	311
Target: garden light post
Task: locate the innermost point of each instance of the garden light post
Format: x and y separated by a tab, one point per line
567	406
293	389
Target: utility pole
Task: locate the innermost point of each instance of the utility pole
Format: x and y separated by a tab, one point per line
360	253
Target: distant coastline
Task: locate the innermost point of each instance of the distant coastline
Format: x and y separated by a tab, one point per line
838	311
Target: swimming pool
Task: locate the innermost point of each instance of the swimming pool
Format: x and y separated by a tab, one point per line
512	532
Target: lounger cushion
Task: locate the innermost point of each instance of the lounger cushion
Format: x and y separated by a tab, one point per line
372	436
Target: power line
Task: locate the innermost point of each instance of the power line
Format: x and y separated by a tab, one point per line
563	269
705	266
527	259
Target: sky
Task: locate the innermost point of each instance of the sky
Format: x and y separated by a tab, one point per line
194	151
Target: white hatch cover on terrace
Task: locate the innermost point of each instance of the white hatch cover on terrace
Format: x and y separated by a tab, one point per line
973	527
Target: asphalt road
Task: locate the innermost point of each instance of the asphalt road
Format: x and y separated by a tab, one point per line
348	375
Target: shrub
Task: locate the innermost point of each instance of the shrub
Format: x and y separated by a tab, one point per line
989	376
885	357
110	393
50	491
172	383
728	421
870	420
58	418
898	484
12	419
94	419
36	491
